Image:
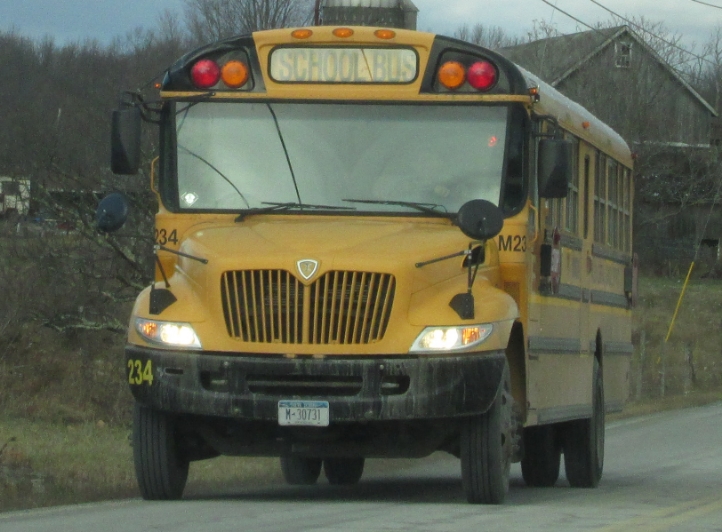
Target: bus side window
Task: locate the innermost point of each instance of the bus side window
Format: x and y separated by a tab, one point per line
600	198
587	164
571	221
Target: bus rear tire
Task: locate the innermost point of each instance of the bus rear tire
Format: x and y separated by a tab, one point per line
343	471
486	449
542	457
584	441
160	468
299	470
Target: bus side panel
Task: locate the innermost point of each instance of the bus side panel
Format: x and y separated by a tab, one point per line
560	372
615	330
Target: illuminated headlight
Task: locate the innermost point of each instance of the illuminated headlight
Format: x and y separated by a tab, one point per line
440	339
168	333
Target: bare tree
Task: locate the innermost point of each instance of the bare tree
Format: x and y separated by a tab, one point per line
541	29
493	37
212	20
706	72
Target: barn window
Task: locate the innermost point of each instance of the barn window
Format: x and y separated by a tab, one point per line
11	188
623	54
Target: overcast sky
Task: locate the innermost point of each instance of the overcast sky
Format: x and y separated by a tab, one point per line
68	20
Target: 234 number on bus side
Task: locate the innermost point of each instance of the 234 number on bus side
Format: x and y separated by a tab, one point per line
164	236
140	372
514	243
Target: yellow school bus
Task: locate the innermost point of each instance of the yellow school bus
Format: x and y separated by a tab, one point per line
376	243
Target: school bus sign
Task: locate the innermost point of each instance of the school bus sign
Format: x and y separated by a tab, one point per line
344	65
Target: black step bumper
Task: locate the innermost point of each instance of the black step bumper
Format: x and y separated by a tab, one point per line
248	387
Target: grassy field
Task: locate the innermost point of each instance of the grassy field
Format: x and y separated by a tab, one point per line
689	354
64	406
50	464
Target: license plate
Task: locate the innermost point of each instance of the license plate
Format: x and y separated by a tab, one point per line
303	413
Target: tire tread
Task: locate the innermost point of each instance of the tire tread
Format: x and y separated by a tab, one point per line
160	471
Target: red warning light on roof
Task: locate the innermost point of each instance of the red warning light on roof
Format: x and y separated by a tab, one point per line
205	74
482	75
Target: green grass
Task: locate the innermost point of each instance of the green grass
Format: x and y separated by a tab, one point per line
50	463
692	356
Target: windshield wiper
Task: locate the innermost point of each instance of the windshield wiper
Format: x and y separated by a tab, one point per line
216	170
285	150
273	207
428	208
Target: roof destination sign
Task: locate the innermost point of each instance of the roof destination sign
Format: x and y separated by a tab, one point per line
344	65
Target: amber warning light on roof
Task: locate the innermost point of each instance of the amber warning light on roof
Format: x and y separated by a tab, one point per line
344	65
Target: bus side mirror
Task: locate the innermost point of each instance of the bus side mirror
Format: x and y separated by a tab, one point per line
555	168
125	141
112	213
480	219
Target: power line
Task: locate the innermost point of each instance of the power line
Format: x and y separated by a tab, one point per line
546	42
631	24
673	45
573	17
706	4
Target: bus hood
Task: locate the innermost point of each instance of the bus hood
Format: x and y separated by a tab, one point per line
385	273
362	245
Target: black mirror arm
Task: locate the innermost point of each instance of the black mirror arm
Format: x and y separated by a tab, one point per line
130	99
472	270
447	257
160	298
463	304
162	272
181	254
557	131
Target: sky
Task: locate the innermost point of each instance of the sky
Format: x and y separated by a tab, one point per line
73	20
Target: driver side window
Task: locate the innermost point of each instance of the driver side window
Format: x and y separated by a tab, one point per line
515	189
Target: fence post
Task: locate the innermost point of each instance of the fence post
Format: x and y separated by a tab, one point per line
691	380
663	371
640	368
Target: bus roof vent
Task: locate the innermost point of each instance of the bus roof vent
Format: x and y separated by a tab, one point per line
383	13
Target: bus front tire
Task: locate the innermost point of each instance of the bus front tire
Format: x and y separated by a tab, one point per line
160	469
300	471
542	457
486	449
343	471
584	441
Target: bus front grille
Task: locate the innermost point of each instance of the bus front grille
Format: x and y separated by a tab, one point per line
273	306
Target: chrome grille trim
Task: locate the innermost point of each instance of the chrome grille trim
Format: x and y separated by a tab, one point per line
339	308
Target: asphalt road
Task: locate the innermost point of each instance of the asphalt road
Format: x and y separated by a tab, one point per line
662	472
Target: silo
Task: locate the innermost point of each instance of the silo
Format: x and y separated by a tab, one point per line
383	13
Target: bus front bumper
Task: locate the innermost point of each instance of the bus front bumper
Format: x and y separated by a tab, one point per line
358	389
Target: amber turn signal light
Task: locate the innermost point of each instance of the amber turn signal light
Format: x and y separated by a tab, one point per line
343	33
452	75
385	34
302	34
234	74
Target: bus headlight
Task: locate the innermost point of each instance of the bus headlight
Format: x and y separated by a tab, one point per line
440	339
168	333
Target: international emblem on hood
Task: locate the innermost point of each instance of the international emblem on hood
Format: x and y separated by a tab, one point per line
307	268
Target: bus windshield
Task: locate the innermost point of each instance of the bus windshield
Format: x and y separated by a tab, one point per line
240	156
